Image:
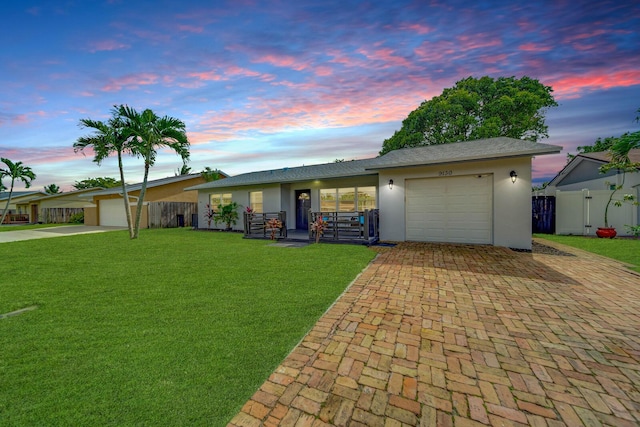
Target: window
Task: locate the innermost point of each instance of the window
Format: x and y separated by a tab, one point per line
328	200
366	198
348	199
219	199
255	201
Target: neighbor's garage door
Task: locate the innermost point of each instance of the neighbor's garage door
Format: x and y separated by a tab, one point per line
112	213
453	209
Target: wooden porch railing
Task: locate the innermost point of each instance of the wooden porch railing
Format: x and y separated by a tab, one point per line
359	226
15	218
256	224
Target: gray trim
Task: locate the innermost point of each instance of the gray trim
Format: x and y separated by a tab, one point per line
468	151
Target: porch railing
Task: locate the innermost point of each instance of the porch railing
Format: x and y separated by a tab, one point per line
257	224
15	218
359	226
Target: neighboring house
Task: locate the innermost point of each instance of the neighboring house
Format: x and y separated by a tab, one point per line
582	193
18	205
459	193
58	208
166	204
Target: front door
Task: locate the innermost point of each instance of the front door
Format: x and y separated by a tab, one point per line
303	204
34	214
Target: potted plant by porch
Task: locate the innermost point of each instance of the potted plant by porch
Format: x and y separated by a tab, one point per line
227	214
621	162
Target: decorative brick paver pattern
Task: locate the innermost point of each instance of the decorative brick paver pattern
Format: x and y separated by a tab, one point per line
460	335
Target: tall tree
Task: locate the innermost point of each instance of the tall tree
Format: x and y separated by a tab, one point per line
52	189
15	171
184	170
108	138
210	175
147	133
104	182
475	109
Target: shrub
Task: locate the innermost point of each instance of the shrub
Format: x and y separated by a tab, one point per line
77	218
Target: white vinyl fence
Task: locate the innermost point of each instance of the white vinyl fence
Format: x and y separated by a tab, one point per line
582	212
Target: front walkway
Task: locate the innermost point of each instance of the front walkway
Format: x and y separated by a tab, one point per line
58	231
468	336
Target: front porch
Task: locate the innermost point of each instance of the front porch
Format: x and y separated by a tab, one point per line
359	227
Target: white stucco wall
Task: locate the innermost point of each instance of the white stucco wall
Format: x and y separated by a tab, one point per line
270	196
511	201
277	197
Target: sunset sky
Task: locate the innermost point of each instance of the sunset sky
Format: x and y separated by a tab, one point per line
270	84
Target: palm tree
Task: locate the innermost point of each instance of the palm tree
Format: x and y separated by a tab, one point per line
210	175
106	139
146	133
15	171
52	189
184	170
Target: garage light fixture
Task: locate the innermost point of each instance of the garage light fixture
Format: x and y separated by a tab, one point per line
513	176
390	184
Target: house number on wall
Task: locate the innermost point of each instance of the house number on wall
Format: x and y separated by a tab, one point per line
445	173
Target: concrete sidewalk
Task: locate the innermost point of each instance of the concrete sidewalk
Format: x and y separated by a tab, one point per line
43	233
460	335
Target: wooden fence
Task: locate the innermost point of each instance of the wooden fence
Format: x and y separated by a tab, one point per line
257	224
15	218
348	227
58	215
171	214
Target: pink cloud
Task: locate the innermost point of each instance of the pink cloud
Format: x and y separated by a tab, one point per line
107	45
284	61
131	81
477	41
534	47
493	59
416	28
387	56
573	86
190	29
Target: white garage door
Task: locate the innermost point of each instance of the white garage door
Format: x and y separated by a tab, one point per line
112	213
454	209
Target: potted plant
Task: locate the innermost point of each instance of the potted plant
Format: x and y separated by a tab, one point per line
318	226
227	214
273	225
620	161
209	215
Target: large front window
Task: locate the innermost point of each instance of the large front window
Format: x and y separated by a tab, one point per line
255	201
219	199
348	199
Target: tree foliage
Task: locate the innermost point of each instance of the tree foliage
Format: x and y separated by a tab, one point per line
146	133
107	138
210	175
104	182
139	134
609	143
476	109
621	162
14	171
52	189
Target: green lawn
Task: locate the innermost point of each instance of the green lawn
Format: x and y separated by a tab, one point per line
176	328
625	250
6	227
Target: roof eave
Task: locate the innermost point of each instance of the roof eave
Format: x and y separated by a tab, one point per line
225	183
530	153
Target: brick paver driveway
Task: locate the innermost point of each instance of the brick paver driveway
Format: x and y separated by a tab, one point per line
467	336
